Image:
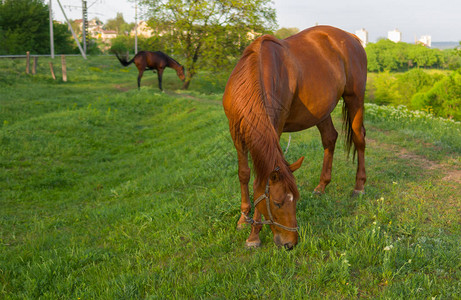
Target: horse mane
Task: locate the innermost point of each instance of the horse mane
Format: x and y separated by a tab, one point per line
253	125
168	58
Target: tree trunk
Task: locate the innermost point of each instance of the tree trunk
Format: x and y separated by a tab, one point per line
192	71
189	76
185	86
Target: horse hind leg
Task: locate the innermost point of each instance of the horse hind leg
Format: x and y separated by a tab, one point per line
329	136
139	78
355	109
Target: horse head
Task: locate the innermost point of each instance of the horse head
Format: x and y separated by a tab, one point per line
279	208
181	73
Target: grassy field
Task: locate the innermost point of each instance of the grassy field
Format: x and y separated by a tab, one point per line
107	192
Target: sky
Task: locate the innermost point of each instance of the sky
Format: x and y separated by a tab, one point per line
441	19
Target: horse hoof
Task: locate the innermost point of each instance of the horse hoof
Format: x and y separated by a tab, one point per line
317	193
357	193
253	245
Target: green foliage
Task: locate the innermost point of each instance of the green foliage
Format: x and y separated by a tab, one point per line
422	56
283	32
25	27
63	41
417	89
208	33
379	89
412	82
107	192
443	99
386	55
125	43
118	24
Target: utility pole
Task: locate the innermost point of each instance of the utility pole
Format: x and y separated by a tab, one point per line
51	31
72	30
84	24
136	27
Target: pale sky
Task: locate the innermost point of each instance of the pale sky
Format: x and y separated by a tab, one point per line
441	19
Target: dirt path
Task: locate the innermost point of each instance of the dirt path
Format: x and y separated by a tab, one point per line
450	170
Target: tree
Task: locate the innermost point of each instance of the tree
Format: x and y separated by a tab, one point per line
208	32
24	26
424	57
283	32
76	26
443	99
118	24
63	40
125	43
390	56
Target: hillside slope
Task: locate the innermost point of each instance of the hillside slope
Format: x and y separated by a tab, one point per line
109	192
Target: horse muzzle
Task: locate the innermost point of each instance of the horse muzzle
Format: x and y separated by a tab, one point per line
289	243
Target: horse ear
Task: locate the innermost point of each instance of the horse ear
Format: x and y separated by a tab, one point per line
297	164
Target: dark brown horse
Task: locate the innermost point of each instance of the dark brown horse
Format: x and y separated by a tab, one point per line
157	61
285	86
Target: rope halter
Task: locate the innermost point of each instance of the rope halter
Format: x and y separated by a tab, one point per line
266	196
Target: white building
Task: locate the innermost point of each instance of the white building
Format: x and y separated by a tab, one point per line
143	30
425	40
394	35
362	34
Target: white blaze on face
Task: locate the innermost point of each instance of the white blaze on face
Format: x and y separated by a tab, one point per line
290	197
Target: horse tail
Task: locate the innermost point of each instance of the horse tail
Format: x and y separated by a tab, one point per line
124	61
347	129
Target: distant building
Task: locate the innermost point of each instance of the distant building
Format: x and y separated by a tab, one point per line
107	35
94	28
362	34
394	35
425	40
143	30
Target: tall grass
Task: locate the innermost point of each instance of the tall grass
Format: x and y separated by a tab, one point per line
112	193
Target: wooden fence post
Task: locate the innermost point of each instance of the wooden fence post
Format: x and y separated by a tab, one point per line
64	68
27	62
52	71
34	65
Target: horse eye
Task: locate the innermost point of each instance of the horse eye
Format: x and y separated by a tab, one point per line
279	205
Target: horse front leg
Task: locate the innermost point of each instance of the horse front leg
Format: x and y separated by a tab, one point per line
244	173
253	240
245	207
329	136
160	75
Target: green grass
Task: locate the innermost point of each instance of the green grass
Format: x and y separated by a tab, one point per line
107	192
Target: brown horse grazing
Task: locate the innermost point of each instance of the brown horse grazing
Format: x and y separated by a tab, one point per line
285	86
146	60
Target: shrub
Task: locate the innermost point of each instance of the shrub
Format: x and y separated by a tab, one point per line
398	89
443	99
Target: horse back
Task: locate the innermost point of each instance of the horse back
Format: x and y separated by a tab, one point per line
299	80
325	53
329	63
150	60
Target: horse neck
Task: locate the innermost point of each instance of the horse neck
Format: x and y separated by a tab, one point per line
265	150
252	117
173	64
267	154
255	128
